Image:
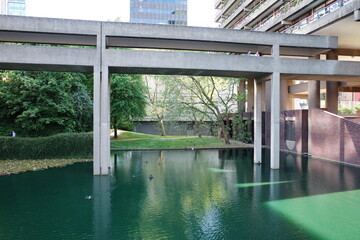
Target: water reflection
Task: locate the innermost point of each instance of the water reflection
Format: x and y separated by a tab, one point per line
194	195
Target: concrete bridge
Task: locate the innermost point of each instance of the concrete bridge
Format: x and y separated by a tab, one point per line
134	49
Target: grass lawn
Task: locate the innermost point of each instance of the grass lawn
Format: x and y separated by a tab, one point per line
146	141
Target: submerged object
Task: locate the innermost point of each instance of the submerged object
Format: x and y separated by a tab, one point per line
151	177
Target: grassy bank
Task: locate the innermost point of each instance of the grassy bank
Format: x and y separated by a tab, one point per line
129	140
8	167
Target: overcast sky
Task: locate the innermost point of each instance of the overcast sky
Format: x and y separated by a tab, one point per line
200	12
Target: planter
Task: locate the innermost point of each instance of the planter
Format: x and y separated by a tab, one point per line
358	113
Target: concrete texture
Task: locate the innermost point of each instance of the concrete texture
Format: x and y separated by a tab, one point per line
102	59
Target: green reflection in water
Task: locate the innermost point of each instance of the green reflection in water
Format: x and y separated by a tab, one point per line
244	185
335	214
219	170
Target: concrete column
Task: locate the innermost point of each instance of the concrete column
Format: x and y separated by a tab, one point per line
314	94
250	95
313	103
275	122
97	106
101	151
284	97
275	114
332	90
105	122
96	121
258	92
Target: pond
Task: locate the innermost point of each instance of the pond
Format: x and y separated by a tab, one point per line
202	194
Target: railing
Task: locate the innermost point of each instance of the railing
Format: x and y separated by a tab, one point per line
249	14
315	16
281	10
228	15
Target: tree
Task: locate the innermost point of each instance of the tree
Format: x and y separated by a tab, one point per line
128	101
215	98
163	94
43	103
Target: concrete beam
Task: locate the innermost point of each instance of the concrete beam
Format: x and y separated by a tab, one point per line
46	58
48	25
357	15
185	63
193	34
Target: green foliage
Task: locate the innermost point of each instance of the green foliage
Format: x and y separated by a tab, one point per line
346	110
64	145
44	103
128	100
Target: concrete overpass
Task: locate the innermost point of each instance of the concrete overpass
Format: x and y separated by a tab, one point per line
107	47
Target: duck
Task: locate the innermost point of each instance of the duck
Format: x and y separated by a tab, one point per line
151	177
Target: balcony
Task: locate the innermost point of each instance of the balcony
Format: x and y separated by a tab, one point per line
228	8
261	10
330	8
240	9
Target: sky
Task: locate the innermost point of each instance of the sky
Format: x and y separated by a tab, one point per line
200	12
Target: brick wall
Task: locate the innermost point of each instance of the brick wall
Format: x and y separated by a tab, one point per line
300	118
334	137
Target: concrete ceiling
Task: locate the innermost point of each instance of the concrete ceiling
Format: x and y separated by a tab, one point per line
346	29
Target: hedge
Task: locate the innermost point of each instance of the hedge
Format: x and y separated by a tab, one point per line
64	145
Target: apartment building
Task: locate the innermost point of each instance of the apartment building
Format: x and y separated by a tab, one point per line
13	7
337	18
159	11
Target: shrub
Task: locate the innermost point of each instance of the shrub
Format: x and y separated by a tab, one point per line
64	145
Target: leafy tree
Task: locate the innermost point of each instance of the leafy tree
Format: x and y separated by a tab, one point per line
213	97
128	101
164	95
43	103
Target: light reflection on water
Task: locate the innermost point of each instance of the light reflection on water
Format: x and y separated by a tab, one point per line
193	195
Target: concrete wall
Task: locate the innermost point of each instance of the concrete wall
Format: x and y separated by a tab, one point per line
173	128
335	138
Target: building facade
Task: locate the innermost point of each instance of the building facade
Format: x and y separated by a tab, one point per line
337	18
172	12
13	7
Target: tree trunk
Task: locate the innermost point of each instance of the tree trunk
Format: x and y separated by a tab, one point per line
161	122
115	128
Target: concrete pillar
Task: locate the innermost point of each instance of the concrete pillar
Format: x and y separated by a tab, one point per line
258	92
313	102
275	122
96	121
332	90
284	97
105	122
101	148
250	95
268	96
275	114
314	94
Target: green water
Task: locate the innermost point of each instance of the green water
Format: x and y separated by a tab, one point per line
212	194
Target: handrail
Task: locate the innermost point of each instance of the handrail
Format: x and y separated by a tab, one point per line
257	6
329	8
281	10
225	6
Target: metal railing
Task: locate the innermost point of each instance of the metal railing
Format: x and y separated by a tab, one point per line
281	10
315	16
249	14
